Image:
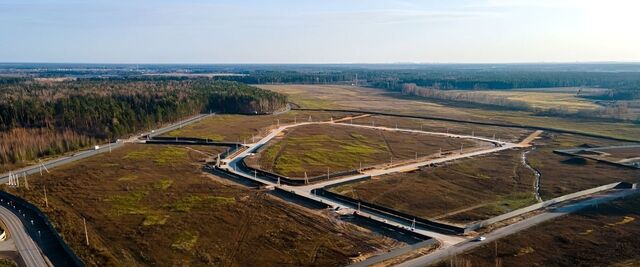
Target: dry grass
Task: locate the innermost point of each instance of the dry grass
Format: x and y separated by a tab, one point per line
562	175
238	128
591	237
545	99
151	205
349	97
487	186
315	148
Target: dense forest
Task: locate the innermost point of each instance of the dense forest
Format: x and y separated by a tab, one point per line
44	118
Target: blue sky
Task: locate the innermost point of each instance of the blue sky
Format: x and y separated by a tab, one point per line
322	31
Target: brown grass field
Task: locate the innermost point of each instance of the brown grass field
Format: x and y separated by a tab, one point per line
314	148
472	189
622	153
151	205
600	236
238	128
562	174
502	133
349	97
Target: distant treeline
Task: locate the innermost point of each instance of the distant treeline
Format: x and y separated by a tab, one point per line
71	114
623	85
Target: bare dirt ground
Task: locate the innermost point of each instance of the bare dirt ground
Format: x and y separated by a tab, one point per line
601	236
314	148
461	192
152	205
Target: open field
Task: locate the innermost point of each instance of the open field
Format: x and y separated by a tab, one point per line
562	174
152	205
349	97
601	236
237	128
314	148
543	99
461	192
621	153
503	133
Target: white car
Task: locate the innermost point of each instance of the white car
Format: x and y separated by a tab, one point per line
481	238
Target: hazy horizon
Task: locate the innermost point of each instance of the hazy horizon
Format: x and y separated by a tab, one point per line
319	32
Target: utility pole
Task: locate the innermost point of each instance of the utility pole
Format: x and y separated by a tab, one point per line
306	179
109	147
278	181
46	201
461	146
416	155
255	174
327	173
26	181
295	120
413	224
86	233
358	206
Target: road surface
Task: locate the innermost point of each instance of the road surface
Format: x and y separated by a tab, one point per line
28	250
551	214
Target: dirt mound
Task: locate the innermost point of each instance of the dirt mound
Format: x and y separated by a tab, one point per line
576	161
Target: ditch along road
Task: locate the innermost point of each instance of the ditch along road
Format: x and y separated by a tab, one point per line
230	164
25	246
444	254
44	166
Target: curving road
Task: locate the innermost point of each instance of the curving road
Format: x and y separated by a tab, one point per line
230	164
28	250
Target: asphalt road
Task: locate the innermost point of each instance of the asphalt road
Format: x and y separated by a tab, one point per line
35	169
28	250
551	214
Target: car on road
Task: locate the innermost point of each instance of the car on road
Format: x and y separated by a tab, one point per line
480	238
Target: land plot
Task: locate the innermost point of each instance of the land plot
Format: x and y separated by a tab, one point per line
460	192
151	205
544	99
617	154
238	128
502	133
561	175
602	236
314	148
370	99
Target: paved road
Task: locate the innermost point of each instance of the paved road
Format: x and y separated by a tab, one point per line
551	214
230	164
91	152
28	250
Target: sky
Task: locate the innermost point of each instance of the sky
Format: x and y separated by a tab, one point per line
319	31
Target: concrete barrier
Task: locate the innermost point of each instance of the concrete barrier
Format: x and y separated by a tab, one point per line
41	231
